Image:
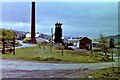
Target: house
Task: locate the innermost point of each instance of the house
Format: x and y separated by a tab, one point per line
85	43
73	41
39	37
81	43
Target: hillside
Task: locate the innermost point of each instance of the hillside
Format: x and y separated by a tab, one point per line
6	33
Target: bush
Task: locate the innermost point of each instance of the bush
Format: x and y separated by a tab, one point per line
26	40
52	59
37	59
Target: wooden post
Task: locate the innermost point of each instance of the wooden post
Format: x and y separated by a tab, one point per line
3	49
44	47
40	46
52	35
13	46
50	47
112	55
62	52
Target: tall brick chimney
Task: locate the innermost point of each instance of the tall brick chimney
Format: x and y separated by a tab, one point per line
33	40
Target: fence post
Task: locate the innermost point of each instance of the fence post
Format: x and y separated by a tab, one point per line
62	52
13	46
3	49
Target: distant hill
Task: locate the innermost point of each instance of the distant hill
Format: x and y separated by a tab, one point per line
115	37
45	36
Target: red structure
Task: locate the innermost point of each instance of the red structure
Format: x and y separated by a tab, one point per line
85	43
33	40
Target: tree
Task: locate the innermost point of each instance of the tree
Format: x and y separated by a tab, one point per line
111	43
58	33
103	43
8	34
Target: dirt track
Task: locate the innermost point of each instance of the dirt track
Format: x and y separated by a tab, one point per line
81	73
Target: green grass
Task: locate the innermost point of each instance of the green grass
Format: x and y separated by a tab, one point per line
37	54
115	51
107	73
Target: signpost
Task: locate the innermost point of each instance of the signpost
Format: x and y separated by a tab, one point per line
8	45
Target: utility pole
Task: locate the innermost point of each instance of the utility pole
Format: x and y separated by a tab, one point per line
52	35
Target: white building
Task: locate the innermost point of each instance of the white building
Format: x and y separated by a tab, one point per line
28	35
75	42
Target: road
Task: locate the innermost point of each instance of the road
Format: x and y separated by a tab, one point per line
26	65
25	69
24	45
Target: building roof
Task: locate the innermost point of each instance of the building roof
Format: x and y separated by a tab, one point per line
85	38
76	40
29	35
41	40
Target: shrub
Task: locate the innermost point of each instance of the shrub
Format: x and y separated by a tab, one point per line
37	58
52	59
26	40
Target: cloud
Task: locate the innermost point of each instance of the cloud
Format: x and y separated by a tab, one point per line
79	19
16	12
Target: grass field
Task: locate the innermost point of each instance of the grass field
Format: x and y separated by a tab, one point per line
107	73
0	44
37	54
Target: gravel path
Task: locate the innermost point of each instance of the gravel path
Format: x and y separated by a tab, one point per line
81	73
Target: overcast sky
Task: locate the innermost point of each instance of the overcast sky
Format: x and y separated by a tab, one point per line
78	18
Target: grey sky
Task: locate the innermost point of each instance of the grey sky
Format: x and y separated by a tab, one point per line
79	18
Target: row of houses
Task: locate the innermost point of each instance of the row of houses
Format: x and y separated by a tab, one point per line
81	42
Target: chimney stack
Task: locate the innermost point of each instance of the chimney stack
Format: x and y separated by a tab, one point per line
33	40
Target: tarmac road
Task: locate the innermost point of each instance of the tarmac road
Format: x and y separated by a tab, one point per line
25	69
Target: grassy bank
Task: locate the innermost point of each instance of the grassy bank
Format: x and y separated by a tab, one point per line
37	54
107	73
